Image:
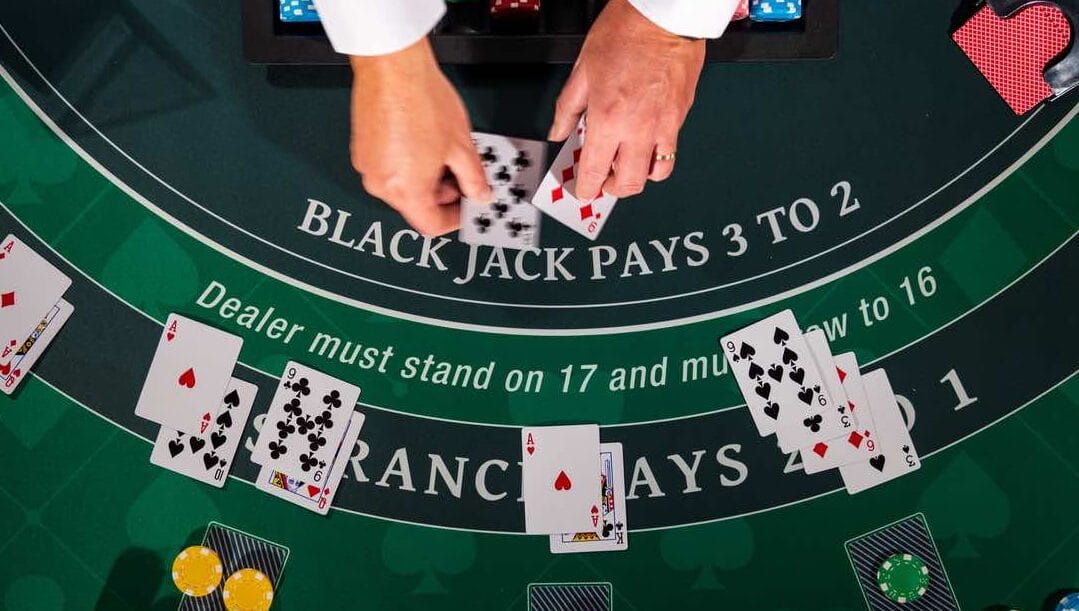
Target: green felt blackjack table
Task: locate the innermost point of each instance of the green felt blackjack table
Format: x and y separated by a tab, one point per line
886	195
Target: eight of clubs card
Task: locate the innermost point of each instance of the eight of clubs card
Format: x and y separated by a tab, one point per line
208	458
187	377
776	373
611	533
29	287
512	167
26	355
555	195
306	422
895	455
559	479
316	497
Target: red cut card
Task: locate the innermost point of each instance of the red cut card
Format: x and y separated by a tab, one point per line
1013	53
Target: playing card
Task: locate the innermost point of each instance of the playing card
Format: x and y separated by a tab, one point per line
512	166
306	422
1013	53
782	387
895	454
559	479
858	444
555	195
31	349
851	445
208	458
317	498
187	377
611	533
29	287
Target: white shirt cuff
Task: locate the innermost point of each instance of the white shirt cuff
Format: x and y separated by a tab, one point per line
377	27
693	18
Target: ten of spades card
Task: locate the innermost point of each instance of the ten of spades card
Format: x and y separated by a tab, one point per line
29	287
775	371
512	167
208	458
306	422
187	377
14	371
895	454
559	479
612	532
316	497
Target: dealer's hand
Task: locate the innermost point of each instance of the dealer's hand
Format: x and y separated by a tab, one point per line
637	82
411	139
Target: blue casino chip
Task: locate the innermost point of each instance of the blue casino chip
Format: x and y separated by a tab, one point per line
1069	602
775	10
298	11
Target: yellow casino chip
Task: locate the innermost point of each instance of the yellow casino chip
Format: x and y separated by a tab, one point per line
197	571
247	590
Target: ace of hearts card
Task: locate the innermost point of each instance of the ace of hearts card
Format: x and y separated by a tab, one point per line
192	365
559	478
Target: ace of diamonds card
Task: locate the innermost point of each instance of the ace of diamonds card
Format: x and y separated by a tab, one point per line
29	287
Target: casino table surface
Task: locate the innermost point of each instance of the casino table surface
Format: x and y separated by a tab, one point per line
887	195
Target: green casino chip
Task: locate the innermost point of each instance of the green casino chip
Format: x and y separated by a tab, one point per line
903	578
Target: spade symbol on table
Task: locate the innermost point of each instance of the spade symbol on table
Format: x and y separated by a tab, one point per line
755	371
877	462
210	460
772	410
764	389
906	449
798	375
175	447
225	419
217	439
806	395
789	356
780	337
746	351
196	444
232	399
776	372
562	482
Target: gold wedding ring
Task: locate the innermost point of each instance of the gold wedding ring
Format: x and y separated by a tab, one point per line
667	157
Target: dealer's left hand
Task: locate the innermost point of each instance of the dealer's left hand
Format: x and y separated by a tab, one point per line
637	82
